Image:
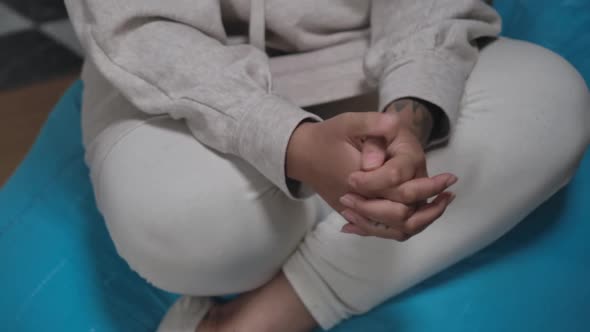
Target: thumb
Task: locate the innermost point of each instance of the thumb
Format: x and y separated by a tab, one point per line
372	124
373	153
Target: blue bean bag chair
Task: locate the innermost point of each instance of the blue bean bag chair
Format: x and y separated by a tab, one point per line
59	270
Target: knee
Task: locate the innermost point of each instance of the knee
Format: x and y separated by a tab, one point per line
543	98
563	87
542	74
197	240
213	246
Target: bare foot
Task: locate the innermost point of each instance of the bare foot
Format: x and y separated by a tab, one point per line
270	308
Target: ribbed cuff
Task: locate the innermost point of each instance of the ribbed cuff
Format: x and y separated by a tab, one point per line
263	143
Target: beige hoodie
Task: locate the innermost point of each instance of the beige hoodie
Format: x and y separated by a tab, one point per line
204	60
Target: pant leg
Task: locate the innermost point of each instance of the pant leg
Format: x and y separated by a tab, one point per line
188	219
523	128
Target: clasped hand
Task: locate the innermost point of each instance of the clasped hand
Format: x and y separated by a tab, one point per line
372	170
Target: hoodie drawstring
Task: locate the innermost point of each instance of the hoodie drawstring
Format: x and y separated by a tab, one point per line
256	30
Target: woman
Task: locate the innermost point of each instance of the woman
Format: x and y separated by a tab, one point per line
213	179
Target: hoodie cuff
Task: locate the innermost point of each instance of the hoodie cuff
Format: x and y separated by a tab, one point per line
430	78
262	140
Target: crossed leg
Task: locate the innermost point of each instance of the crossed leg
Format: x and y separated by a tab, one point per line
199	223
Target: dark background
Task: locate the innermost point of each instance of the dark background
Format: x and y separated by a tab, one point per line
39	57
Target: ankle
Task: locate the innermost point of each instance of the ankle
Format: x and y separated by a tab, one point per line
215	320
232	317
273	307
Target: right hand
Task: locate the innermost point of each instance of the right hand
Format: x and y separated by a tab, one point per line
323	154
389	197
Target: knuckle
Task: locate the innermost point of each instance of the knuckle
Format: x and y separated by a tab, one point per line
359	182
403	237
367	231
393	236
366	228
364	233
397	235
394	175
408	195
392	120
420	159
411	228
403	212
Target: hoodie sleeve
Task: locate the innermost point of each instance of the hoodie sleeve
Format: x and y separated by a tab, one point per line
169	57
426	49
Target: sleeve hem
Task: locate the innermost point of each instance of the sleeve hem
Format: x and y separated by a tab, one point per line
262	140
428	77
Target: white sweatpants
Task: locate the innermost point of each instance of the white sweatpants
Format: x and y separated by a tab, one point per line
197	222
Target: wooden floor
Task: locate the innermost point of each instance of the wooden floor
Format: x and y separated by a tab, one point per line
23	111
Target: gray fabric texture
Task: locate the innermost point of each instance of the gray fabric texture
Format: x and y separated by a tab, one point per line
175	57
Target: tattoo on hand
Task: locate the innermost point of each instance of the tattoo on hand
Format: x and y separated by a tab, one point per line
421	118
401	104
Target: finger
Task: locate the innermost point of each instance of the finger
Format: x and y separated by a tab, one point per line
381	210
373	153
365	227
421	189
362	224
395	171
393	233
351	228
371	124
428	213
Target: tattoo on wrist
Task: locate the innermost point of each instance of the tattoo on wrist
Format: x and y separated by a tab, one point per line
417	116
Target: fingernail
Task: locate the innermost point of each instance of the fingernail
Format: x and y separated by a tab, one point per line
372	160
452	180
349	217
347	201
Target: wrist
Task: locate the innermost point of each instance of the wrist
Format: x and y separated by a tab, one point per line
298	152
415	116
